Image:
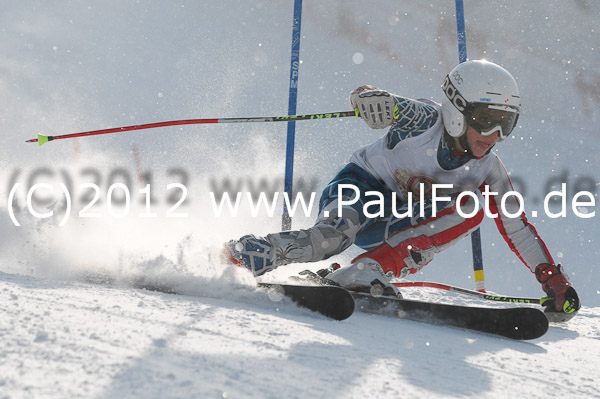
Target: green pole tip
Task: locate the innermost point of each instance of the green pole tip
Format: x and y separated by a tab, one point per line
42	139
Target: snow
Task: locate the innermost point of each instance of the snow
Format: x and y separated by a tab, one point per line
69	339
87	65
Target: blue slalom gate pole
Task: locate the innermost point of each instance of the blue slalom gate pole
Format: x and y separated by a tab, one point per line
286	220
460	31
476	235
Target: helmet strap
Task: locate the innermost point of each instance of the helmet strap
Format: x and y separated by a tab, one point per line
453	146
465	144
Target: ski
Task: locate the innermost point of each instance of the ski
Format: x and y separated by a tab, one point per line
519	323
330	301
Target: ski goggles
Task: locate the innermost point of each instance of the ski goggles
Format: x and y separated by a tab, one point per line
490	118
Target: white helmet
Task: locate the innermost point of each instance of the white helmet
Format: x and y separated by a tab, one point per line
483	95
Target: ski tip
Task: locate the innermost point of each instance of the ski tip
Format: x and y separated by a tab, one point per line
330	301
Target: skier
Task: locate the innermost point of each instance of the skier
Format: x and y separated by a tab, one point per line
426	145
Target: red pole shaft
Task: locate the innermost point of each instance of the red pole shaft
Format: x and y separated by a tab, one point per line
328	115
130	128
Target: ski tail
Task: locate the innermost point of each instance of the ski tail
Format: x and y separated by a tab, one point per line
519	323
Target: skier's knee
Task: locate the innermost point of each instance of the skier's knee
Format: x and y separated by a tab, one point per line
407	257
328	241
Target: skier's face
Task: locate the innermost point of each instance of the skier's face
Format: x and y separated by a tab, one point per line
479	143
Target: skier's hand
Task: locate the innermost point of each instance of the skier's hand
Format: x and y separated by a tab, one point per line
376	107
562	302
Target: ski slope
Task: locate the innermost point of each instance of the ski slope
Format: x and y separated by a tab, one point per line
80	66
69	339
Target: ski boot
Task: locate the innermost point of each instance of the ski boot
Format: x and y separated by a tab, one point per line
363	275
251	252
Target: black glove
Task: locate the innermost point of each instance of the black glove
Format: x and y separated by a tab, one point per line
562	302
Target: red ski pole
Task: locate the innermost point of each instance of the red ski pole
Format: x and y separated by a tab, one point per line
42	139
488	296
